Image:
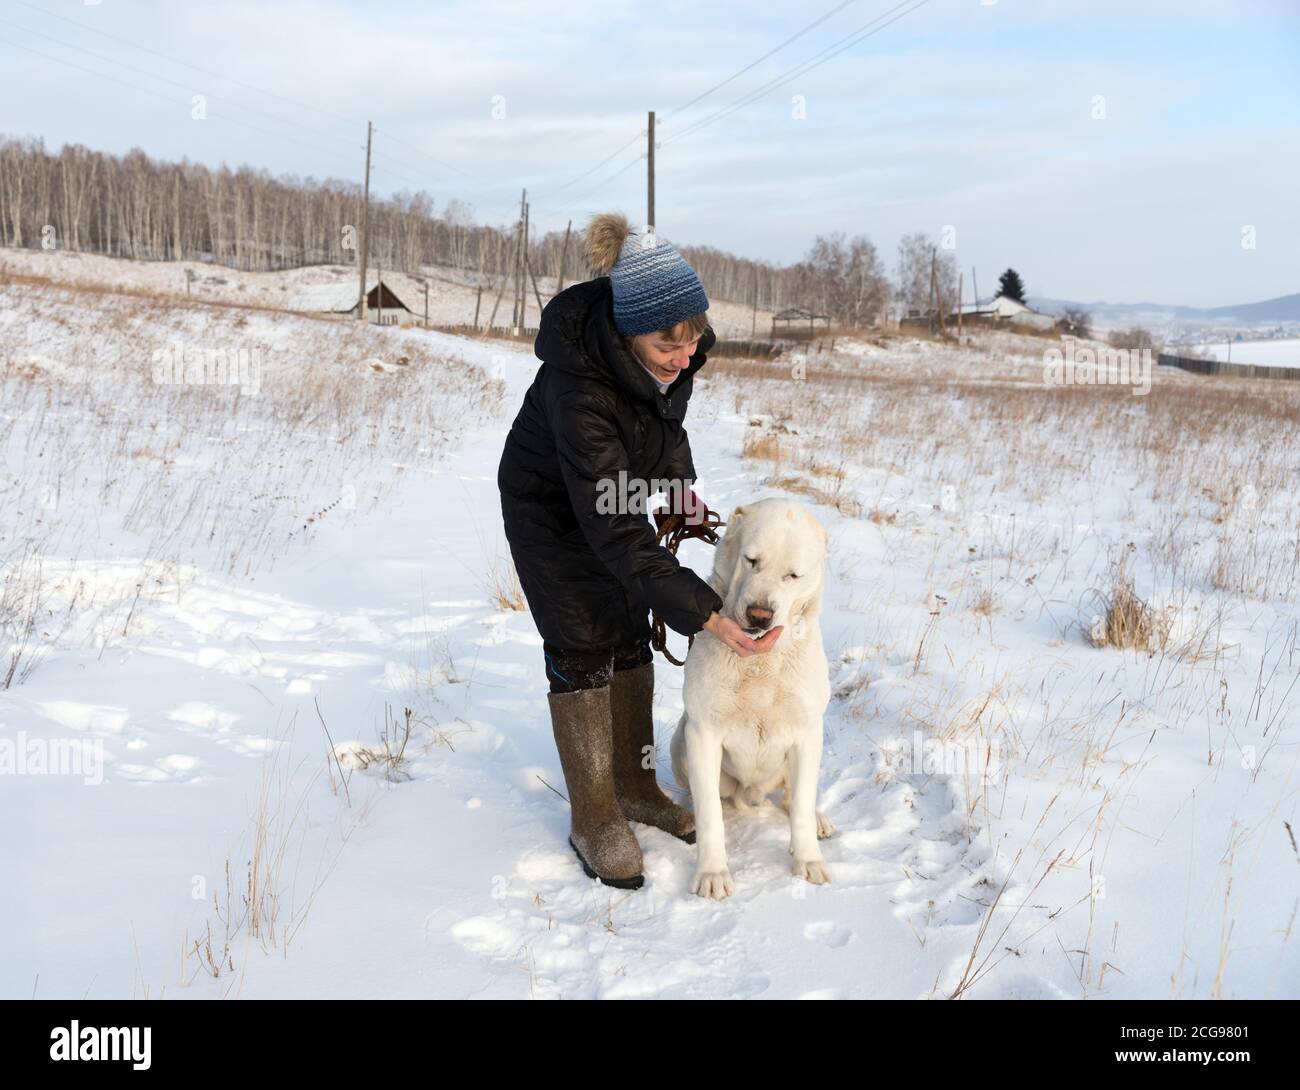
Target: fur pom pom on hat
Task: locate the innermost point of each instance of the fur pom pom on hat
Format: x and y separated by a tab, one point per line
654	287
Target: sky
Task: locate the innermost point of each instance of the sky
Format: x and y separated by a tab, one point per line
1142	151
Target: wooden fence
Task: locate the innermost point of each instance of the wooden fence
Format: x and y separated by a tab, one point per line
746	349
728	347
526	333
1234	370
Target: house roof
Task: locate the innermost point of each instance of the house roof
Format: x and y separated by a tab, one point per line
340	297
1005	305
330	298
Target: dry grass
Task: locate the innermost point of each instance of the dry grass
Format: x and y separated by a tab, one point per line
981	421
177	300
389	756
820	481
503	589
1038	489
22	606
259	902
200	475
763	445
1124	620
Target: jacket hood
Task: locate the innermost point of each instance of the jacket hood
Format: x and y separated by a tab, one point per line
577	334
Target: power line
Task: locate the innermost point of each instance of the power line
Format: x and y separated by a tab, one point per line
829	53
835	49
572	205
411	165
774	49
606	182
432	158
383	167
587	174
704	94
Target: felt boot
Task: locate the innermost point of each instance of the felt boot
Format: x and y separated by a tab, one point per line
631	693
599	833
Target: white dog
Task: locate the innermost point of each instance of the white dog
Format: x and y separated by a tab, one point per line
753	724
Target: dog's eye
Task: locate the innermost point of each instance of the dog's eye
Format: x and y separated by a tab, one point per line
792	575
753	560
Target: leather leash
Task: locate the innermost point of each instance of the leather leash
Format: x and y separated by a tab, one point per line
672	532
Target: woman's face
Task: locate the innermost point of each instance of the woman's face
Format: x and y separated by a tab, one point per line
663	358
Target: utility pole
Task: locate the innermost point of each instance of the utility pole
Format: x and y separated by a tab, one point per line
379	295
514	257
753	325
938	300
524	273
930	301
559	284
650	177
364	241
517	264
961	290
536	291
975	285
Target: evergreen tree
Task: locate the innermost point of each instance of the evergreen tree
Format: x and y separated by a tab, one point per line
1010	285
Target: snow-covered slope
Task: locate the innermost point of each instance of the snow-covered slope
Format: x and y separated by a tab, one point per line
453	298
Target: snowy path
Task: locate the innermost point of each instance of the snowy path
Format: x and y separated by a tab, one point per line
462	882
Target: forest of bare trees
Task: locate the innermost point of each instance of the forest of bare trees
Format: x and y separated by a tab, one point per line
137	207
924	268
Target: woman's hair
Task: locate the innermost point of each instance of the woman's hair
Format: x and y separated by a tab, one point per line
605	236
684	331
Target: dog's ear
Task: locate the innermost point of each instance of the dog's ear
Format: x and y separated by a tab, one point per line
724	560
807	609
821	530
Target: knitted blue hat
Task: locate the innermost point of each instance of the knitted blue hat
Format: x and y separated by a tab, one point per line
654	287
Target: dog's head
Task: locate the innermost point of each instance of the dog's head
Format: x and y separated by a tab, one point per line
770	565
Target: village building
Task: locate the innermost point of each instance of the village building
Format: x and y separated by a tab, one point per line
1003	309
384	305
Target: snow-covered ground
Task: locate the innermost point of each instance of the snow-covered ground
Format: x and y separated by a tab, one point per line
1282	352
269	583
453	297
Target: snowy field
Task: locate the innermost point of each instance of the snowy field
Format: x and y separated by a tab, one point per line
277	622
1283	352
453	295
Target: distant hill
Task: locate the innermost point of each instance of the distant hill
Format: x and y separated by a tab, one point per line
1285	308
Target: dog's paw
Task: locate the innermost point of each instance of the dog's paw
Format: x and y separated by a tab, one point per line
813	870
825	827
716	884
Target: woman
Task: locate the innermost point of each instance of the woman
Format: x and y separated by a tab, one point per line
605	411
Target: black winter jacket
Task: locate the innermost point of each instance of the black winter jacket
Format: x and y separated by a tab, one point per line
591	412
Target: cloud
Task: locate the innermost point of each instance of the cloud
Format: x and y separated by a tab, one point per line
973	115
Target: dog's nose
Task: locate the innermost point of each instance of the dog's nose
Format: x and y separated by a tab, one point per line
758	616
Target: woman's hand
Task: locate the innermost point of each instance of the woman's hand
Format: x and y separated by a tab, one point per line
730	633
